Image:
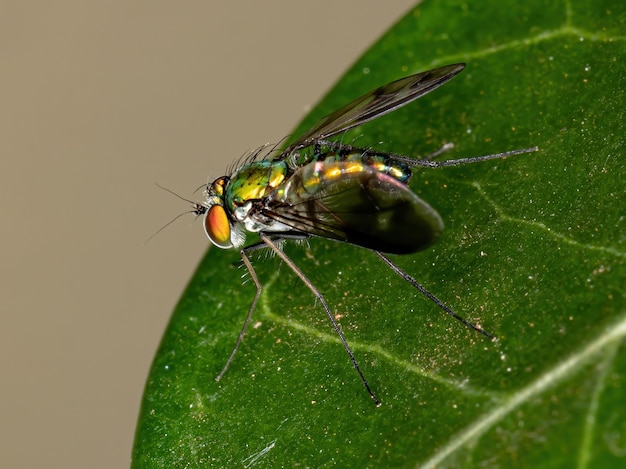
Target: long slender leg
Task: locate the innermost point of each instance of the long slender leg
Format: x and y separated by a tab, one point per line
259	288
430	296
321	299
246	260
427	161
440	164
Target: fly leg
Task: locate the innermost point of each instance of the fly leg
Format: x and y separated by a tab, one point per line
270	243
427	161
246	261
259	288
430	296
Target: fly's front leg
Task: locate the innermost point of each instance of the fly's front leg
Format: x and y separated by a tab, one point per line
318	295
259	288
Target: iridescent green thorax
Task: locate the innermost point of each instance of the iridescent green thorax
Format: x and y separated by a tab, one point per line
253	181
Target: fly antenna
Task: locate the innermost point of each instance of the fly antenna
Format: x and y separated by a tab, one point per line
176	195
170	222
198	210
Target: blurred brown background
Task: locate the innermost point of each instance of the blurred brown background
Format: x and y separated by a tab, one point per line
100	100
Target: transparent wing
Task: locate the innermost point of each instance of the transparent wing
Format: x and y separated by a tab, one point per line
362	207
377	103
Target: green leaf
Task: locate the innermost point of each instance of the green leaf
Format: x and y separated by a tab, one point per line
534	250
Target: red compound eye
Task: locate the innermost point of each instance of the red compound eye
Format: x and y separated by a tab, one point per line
217	227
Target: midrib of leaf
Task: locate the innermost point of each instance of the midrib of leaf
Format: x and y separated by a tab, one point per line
553	376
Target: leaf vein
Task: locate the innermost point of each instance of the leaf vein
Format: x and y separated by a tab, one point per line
539	225
584	454
551	377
